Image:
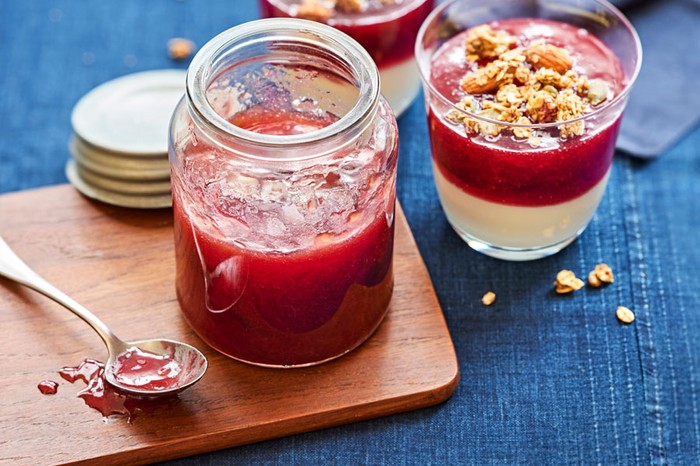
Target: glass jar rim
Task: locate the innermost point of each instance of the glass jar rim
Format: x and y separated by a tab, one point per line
620	97
299	31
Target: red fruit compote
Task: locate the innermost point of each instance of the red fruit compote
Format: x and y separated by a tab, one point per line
387	29
283	162
523	114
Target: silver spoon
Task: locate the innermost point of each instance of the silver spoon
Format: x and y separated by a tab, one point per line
183	365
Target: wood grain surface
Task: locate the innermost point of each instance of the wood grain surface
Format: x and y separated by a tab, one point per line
120	264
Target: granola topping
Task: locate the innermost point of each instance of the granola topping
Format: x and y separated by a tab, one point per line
350	6
323	10
483	41
524	83
314	10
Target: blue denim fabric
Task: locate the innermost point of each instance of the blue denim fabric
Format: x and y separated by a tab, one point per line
670	33
546	379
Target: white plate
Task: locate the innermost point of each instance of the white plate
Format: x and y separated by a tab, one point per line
115	168
130	114
123	162
110	197
139	188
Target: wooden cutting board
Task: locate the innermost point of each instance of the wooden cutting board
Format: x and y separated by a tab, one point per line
120	264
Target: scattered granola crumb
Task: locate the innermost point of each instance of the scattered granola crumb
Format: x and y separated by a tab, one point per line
489	298
624	315
567	282
593	280
602	274
180	48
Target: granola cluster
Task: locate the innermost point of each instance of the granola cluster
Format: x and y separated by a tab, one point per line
567	282
601	275
322	10
523	85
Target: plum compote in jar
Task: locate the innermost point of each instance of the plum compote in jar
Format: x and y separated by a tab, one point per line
283	158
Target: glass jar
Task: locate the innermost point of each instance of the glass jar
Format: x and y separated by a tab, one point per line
283	158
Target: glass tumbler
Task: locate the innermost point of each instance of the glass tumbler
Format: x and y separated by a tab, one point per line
524	100
386	29
283	159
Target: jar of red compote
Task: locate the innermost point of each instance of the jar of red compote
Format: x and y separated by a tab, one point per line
524	101
283	157
387	29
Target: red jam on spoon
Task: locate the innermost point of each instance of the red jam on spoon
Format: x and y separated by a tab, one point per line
136	368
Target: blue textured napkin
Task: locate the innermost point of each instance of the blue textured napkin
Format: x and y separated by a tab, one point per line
665	103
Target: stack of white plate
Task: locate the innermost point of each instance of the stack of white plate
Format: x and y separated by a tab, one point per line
120	143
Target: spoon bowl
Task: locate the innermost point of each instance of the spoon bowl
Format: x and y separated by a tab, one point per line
166	367
145	369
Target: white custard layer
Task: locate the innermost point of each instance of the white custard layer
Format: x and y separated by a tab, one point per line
516	227
400	84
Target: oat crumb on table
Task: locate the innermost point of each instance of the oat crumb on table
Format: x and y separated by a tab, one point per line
180	48
624	315
567	282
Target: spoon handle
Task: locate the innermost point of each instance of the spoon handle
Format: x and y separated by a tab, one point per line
13	268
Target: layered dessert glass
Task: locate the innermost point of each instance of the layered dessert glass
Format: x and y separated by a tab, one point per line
283	158
524	101
387	29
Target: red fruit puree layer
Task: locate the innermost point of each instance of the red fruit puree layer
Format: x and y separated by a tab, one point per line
526	177
275	308
388	41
